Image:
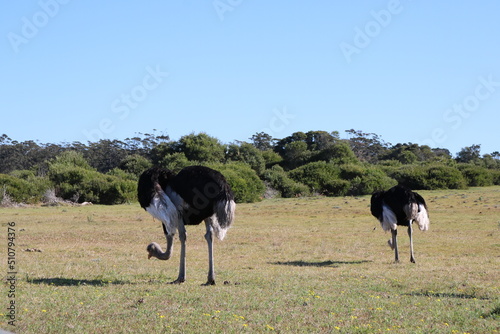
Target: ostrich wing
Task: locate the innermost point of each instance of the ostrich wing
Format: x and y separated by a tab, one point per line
163	209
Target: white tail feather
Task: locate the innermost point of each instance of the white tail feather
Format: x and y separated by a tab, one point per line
223	218
422	218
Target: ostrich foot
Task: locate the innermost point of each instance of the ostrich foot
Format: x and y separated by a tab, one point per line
209	282
412	260
178	281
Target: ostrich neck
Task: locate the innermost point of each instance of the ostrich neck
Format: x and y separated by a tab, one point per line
157	252
162	255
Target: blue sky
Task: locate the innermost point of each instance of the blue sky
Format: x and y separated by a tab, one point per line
409	71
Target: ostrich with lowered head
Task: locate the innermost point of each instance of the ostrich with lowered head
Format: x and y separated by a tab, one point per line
193	195
400	206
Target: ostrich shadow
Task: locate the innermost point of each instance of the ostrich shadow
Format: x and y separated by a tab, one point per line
447	295
60	281
333	264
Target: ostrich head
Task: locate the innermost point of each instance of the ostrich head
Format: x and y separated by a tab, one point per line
155	250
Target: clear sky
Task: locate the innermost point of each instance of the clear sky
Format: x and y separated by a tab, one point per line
410	71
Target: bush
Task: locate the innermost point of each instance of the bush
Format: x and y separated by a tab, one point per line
495	176
365	179
279	180
412	176
349	179
336	187
81	185
246	185
121	174
38	185
271	158
476	176
175	162
248	154
338	153
76	181
444	177
437	176
135	164
22	191
317	176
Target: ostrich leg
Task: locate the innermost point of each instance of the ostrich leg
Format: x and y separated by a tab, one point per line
182	265
394	244
208	237
410	234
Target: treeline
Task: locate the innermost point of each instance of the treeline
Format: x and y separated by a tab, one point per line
302	164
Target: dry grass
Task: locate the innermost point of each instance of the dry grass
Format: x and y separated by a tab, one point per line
307	265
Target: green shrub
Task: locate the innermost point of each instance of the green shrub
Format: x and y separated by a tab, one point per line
436	176
135	164
121	174
246	185
476	176
22	191
271	158
279	180
316	175
365	179
82	184
412	176
336	187
38	185
175	162
349	179
248	154
444	177
338	153
495	176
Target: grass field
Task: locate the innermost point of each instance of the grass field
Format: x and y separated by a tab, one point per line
305	265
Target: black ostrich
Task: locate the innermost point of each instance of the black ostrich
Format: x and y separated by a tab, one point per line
193	195
400	206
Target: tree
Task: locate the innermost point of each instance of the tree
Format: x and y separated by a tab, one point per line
248	154
339	153
262	141
105	154
469	154
134	164
143	143
201	147
410	153
280	146
320	140
366	146
295	154
175	162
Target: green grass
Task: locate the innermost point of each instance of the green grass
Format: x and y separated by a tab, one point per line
306	265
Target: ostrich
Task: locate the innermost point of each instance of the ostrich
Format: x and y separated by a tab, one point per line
193	195
400	206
